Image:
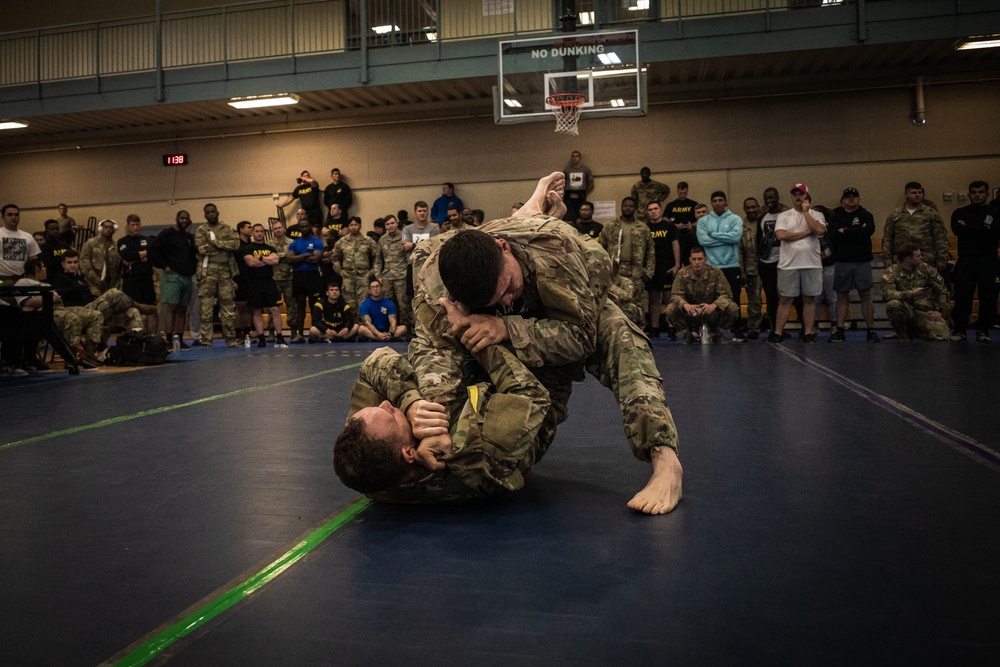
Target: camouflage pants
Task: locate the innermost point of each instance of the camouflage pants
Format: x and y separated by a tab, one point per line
721	317
354	288
118	309
624	364
755	304
216	282
77	322
395	289
628	290
909	322
291	307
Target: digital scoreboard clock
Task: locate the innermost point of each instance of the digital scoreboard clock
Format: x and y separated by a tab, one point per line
175	159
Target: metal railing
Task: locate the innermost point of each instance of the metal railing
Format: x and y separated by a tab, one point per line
290	28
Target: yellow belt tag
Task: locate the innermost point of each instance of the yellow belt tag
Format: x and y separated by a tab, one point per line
474	397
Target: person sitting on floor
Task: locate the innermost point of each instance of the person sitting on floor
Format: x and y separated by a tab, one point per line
333	319
378	315
701	295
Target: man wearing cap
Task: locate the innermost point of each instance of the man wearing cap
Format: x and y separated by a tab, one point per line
917	223
800	268
850	236
99	259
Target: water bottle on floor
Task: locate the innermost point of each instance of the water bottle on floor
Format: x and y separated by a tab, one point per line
176	344
246	342
705	340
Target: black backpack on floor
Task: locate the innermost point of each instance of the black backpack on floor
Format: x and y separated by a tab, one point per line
138	348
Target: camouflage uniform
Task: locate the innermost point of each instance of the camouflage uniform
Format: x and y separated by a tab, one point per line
83	323
908	312
632	257
568	324
282	274
710	287
353	259
100	264
924	228
390	268
751	277
117	308
643	193
216	271
495	432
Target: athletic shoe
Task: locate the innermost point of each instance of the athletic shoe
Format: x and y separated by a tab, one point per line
982	337
739	337
297	338
837	336
808	338
775	338
12	372
280	341
873	337
957	336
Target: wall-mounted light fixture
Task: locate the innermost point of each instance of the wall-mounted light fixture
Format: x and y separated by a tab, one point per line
919	111
11	125
258	101
978	42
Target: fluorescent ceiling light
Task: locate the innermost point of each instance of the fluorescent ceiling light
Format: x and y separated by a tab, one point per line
432	36
586	18
513	104
256	102
11	125
382	29
610	58
979	42
608	72
640	4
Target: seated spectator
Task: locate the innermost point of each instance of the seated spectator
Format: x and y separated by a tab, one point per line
53	247
915	297
479	216
117	308
455	221
333	319
259	260
701	295
137	272
378	317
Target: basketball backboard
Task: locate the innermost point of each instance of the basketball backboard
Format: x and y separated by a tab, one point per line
602	66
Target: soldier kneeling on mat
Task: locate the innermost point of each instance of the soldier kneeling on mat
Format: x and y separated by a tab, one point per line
916	297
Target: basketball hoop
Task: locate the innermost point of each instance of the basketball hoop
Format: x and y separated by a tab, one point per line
566	109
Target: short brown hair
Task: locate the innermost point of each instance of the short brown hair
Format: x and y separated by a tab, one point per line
366	464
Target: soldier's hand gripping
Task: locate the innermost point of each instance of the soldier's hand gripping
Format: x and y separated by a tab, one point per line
427	419
431	450
479	330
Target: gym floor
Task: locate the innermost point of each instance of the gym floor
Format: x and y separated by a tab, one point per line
841	506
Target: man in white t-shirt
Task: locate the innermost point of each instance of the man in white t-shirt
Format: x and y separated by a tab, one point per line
800	268
16	246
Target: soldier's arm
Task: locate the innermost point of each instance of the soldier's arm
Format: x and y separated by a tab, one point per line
890	291
888	240
602	238
201	242
227	240
938	289
384	376
337	258
941	246
87	265
678	293
649	257
379	265
436	358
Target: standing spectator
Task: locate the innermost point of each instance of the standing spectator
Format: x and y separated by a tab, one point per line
336	222
586	224
719	234
768	252
333	319
439	212
749	270
304	255
243	321
915	297
647	190
681	213
826	258
390	268
216	242
850	235
919	224
282	274
978	235
419	230
455	220
800	270
667	251
478	217
137	272
338	193
378	230
16	246
354	258
262	292
99	259
378	316
53	248
174	253
579	184
307	192
701	295
630	246
67	225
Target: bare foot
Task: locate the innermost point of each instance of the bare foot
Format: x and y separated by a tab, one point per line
556	205
663	491
554	182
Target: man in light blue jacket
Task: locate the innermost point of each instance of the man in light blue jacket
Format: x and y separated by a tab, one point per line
719	234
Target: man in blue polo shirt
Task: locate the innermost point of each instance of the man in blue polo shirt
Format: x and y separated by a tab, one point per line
378	316
307	285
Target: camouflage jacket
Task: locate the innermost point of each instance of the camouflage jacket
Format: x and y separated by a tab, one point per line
566	280
898	284
630	246
392	260
643	193
495	435
748	249
710	287
354	255
282	270
216	245
923	228
100	264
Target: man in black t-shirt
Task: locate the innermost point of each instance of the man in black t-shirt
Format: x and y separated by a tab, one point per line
137	272
338	193
243	321
257	260
586	224
667	249
977	227
681	212
850	235
53	248
307	192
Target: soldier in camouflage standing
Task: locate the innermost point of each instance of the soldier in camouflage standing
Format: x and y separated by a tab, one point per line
100	262
282	274
749	271
215	242
915	297
647	190
354	259
918	224
633	258
390	268
545	290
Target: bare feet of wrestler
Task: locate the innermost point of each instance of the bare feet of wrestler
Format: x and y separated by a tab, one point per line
536	205
663	491
556	207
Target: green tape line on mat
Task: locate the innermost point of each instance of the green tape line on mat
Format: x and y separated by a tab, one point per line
153	647
168	408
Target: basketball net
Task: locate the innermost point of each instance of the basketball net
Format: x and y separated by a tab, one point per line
566	109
